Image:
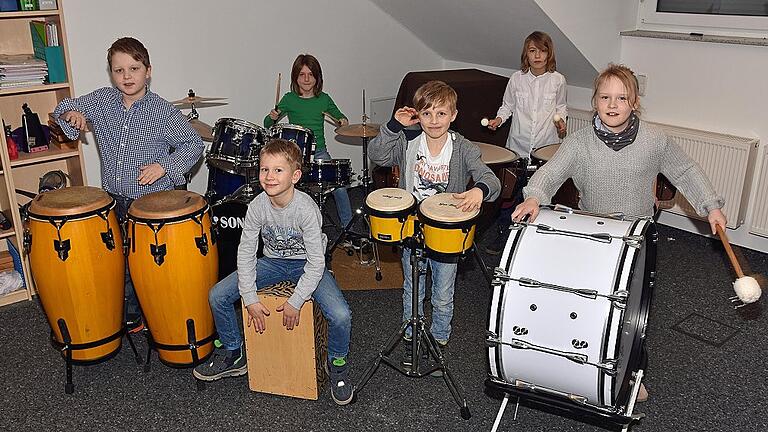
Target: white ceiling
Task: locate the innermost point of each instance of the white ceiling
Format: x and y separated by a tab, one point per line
487	32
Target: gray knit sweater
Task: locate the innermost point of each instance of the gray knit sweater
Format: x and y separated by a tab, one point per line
622	181
391	147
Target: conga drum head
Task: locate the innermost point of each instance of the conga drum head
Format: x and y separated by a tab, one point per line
545	153
73	200
492	154
167	205
443	208
390	200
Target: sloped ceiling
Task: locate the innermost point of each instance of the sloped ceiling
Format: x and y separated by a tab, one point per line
487	32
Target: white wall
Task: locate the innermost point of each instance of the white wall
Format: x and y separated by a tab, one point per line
578	97
235	49
708	86
593	25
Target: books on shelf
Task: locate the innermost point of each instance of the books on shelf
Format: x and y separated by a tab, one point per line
21	71
45	43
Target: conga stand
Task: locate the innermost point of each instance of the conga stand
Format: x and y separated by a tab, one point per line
67	347
192	346
421	338
366	179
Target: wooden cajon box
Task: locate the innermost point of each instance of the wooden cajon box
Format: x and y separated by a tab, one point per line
287	362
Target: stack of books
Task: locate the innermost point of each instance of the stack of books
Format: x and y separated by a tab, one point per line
21	71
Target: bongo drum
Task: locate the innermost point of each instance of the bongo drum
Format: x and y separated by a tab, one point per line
447	230
567	194
391	213
75	249
567	320
173	260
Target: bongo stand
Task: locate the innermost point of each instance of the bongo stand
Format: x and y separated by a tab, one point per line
421	338
67	347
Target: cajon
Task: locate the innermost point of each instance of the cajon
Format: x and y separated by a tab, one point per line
283	362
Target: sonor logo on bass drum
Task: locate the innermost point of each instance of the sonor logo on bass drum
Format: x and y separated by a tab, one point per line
228	222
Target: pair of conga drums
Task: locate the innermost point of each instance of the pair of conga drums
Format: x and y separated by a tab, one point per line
75	248
392	215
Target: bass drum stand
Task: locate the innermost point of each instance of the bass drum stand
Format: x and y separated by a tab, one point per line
421	339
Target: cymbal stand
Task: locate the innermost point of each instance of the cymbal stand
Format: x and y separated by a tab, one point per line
193	115
366	180
421	338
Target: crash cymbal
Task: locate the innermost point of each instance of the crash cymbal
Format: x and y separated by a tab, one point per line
359	130
204	130
196	100
199	105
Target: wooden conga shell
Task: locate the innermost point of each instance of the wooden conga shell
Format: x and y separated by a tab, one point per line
172	285
287	362
447	229
84	284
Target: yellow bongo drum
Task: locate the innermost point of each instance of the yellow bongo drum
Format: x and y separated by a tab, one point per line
390	214
447	230
75	249
174	262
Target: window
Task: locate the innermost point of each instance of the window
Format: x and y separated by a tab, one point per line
723	17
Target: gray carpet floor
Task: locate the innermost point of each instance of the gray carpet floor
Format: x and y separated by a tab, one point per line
707	369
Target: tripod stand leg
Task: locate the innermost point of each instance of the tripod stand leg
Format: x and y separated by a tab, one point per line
382	355
435	352
481	263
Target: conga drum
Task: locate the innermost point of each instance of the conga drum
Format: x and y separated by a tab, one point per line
567	194
447	230
173	260
75	249
391	213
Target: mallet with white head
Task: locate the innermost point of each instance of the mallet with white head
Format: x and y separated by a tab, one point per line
746	287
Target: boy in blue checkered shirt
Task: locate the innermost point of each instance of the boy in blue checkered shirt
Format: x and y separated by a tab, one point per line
135	131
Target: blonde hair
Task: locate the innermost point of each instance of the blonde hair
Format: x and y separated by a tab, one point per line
543	42
287	149
626	77
435	93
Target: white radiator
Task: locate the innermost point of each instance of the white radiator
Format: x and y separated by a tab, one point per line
760	215
728	161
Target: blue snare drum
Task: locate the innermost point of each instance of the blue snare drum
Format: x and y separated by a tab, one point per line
302	136
236	145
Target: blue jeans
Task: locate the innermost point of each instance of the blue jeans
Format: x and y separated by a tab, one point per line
132	308
270	271
443	280
340	195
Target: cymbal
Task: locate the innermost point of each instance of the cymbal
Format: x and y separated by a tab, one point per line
196	100
203	129
199	105
359	130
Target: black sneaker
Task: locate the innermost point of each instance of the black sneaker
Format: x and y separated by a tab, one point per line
342	390
496	245
443	345
223	363
134	324
408	354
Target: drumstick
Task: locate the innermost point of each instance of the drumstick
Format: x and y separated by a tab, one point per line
746	287
332	118
277	90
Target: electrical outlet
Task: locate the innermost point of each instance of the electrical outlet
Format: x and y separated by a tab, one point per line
642	83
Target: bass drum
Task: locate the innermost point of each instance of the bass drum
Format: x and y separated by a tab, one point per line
568	316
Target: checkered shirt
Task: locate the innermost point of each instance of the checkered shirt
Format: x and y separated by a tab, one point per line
131	138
